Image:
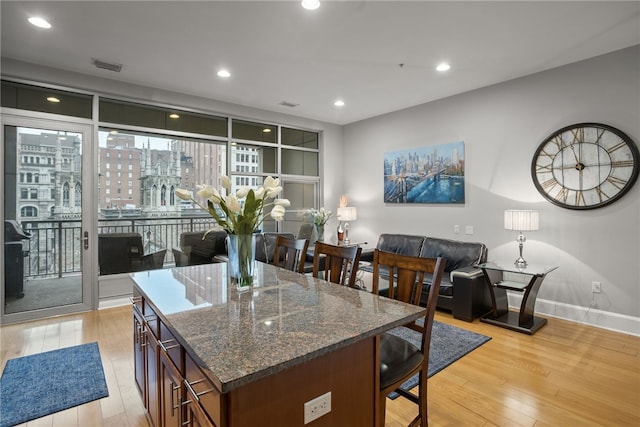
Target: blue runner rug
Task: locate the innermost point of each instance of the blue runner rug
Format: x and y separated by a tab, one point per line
448	344
41	384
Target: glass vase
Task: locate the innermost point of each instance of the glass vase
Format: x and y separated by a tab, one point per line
319	232
242	255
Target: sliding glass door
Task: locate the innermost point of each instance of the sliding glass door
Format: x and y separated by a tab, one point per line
47	188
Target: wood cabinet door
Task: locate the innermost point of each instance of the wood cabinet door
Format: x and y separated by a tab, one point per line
170	392
139	355
152	384
195	416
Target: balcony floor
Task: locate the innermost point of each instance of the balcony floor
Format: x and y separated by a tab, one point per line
46	293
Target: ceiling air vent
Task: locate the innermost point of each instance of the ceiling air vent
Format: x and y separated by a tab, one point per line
107	65
288	104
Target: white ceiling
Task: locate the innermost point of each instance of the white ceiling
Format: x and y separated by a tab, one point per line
277	51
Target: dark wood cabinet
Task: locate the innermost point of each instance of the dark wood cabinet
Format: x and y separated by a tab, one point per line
139	355
151	374
171	392
159	364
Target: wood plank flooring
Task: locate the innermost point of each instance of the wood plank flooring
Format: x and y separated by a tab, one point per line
567	374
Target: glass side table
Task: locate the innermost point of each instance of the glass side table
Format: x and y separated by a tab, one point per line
523	321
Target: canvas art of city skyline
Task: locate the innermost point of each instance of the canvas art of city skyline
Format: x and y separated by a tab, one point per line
430	174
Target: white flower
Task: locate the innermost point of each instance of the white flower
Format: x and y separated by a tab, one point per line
273	191
233	212
242	192
270	182
285	203
259	192
233	204
226	183
277	212
184	194
206	191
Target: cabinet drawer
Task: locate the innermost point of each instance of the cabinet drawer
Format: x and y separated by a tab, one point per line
207	395
150	316
171	346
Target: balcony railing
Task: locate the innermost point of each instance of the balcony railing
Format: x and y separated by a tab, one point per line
55	246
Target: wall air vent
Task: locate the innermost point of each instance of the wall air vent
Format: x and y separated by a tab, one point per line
288	104
107	65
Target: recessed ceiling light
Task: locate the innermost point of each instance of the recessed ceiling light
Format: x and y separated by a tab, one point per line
174	116
310	4
224	73
266	130
53	99
443	67
339	103
39	22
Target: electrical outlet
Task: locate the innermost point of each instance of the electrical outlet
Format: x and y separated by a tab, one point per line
468	229
456	229
317	407
596	287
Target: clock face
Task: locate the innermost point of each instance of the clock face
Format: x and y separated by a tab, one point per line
585	166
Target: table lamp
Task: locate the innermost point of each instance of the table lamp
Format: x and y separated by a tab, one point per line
520	221
345	214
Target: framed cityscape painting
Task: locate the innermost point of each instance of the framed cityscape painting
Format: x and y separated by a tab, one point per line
431	174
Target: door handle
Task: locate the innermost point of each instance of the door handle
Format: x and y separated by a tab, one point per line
85	239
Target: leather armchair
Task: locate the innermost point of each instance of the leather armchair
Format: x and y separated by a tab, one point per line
195	250
123	253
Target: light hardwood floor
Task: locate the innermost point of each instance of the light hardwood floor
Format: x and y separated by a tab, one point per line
567	374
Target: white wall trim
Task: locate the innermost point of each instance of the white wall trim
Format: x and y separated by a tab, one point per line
585	315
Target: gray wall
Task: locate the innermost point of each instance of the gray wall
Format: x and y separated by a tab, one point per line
502	125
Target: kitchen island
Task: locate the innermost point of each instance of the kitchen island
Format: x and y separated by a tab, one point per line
208	354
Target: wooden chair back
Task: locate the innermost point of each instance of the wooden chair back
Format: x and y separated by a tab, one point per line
290	253
406	279
338	264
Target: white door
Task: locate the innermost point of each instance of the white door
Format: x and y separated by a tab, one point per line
47	204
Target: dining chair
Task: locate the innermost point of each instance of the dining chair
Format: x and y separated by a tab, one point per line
339	264
292	253
399	359
305	231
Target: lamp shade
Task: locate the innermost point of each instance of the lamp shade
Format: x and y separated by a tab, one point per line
521	220
347	214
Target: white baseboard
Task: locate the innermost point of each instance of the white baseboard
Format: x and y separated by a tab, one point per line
588	316
114	302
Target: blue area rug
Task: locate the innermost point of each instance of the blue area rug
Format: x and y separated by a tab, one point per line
41	384
448	344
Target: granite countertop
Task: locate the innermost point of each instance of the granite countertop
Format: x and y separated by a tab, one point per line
285	319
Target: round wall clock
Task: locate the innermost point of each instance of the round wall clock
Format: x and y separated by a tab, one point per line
585	166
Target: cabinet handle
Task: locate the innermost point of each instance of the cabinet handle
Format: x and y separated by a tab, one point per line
174	387
143	338
165	348
193	392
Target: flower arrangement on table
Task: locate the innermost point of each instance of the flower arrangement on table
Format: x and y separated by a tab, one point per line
243	213
320	218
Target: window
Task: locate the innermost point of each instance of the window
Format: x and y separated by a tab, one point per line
34	194
29	211
24	193
78	196
65	195
33	98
